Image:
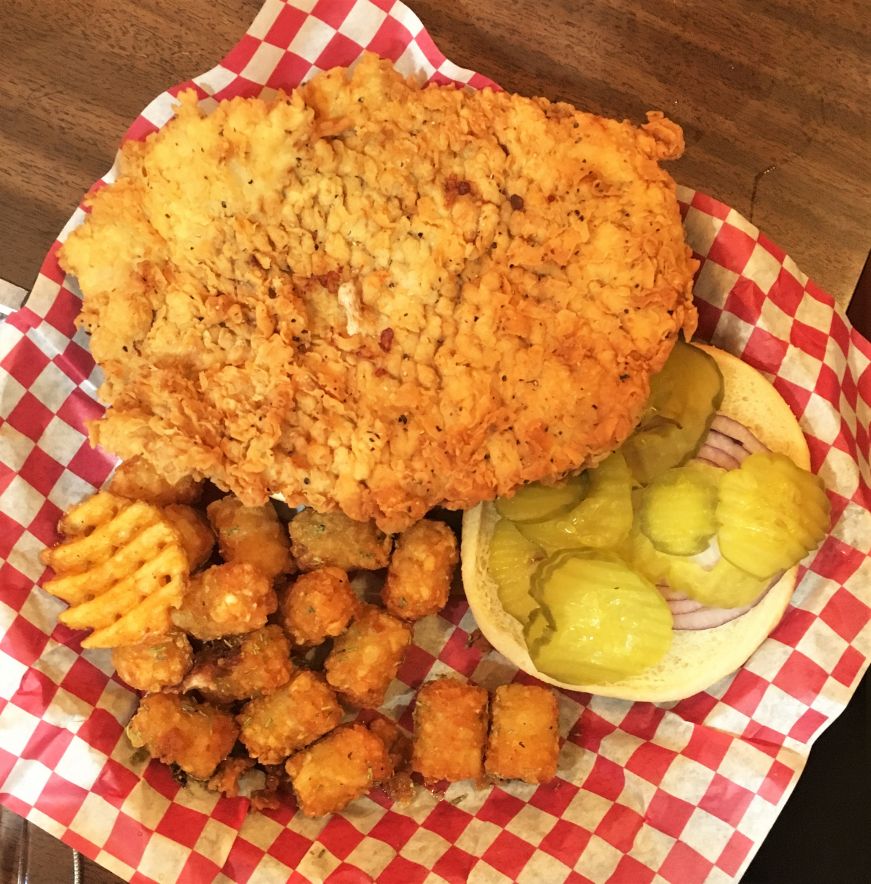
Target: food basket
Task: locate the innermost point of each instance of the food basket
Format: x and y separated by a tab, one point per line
682	792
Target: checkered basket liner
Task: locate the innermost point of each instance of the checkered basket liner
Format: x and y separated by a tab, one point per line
682	792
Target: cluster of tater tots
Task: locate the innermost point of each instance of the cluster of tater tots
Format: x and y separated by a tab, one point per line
275	646
272	646
514	737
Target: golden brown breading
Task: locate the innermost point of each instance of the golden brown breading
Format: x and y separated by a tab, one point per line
137	479
420	571
225	600
524	734
240	667
226	778
320	539
375	297
318	605
251	534
295	715
159	662
196	536
178	730
450	727
364	659
269	797
400	786
342	766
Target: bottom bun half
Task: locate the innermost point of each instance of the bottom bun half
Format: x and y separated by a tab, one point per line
697	659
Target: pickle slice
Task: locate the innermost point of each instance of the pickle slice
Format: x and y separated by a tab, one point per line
600	521
599	621
771	513
722	586
684	398
537	627
513	559
677	509
535	502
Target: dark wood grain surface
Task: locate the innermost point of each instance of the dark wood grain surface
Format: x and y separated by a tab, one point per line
772	97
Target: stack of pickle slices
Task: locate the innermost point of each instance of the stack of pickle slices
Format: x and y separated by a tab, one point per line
583	564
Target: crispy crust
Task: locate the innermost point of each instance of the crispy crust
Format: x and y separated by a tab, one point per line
421	568
374	297
450	730
523	742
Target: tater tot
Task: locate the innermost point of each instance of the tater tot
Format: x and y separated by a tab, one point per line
225	600
420	570
400	786
317	605
136	479
197	537
450	727
158	662
320	539
524	734
365	658
251	534
240	667
337	769
289	718
179	730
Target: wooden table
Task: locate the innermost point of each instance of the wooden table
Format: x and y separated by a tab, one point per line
772	97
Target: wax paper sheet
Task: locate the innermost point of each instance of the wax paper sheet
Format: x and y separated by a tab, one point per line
681	793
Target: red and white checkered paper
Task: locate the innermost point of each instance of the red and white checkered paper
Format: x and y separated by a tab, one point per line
679	793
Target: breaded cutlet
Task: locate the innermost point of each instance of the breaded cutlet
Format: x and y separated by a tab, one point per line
377	297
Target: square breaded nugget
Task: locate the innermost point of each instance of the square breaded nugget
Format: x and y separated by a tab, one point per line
450	728
319	539
524	734
365	658
179	730
225	600
241	667
251	534
160	661
420	571
318	605
339	768
289	718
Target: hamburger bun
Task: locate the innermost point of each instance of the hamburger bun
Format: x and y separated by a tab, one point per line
699	658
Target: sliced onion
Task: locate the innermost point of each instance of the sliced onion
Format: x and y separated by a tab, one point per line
717	457
678	603
707	618
669	594
726	443
686	606
702	617
737	431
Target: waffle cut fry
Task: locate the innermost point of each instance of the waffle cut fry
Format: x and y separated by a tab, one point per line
121	566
